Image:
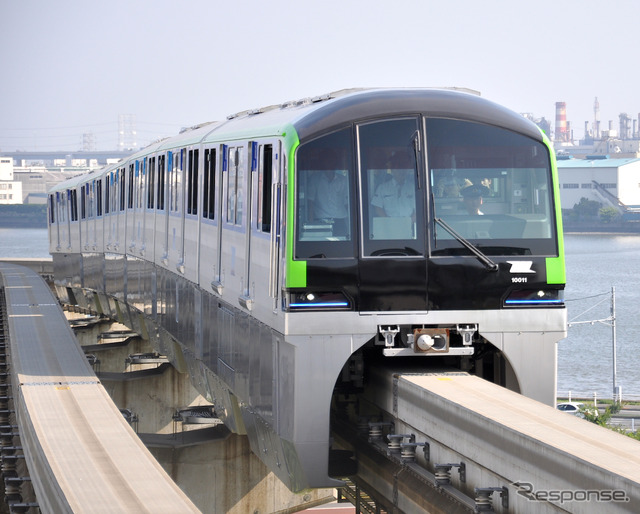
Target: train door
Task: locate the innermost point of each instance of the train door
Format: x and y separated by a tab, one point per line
65	198
93	215
218	276
142	206
54	222
61	218
263	238
75	229
150	213
84	224
99	226
209	248
175	221
168	209
392	248
132	177
247	296
190	215
234	220
160	216
121	221
109	211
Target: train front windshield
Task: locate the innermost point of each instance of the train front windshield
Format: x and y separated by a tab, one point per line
490	185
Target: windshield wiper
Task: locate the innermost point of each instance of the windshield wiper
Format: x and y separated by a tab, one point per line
490	265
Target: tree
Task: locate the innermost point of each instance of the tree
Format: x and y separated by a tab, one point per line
586	208
608	214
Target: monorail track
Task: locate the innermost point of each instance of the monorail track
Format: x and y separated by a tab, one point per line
450	442
80	453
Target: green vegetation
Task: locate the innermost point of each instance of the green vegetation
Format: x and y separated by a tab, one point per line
586	208
604	418
608	215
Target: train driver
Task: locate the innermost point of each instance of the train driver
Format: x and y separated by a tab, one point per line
330	193
397	196
472	198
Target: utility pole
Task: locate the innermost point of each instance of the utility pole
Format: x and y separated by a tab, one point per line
617	396
617	390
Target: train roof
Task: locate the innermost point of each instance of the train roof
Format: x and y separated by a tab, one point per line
313	116
447	103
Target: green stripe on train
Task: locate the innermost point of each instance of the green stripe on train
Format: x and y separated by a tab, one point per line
296	271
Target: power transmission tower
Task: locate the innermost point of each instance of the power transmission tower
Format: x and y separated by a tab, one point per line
127	132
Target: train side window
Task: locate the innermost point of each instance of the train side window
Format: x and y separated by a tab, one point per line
130	188
176	180
151	183
107	193
235	189
98	184
73	204
83	201
172	179
265	178
231	185
192	183
209	188
62	207
324	197
161	182
52	216
123	189
141	170
91	190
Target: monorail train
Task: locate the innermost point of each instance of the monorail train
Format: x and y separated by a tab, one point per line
276	254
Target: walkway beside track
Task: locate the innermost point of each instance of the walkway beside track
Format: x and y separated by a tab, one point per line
81	454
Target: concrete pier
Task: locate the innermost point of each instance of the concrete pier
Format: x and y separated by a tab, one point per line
215	468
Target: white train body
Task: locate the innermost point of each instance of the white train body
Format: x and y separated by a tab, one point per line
204	243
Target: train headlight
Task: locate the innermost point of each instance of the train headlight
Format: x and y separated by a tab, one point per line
535	297
319	301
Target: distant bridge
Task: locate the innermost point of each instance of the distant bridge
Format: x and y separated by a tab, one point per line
51	156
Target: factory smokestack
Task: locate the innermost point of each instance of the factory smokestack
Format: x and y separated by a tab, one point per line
596	119
562	131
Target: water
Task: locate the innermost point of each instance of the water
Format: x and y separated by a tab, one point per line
24	242
595	263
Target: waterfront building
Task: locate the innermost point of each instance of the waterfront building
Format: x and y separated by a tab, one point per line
10	189
611	182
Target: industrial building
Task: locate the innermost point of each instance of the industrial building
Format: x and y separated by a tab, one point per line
619	141
29	184
26	177
611	182
10	189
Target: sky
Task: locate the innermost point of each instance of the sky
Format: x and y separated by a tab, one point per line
71	67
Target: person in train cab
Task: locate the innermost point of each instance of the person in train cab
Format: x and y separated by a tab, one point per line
472	196
397	195
330	194
449	185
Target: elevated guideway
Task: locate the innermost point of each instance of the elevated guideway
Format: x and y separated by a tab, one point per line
452	442
80	453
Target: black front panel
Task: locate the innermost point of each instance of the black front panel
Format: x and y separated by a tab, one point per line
464	283
418	212
392	264
393	285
